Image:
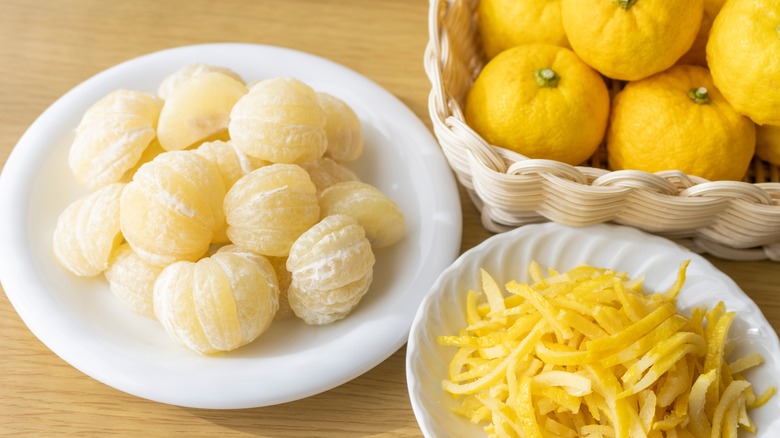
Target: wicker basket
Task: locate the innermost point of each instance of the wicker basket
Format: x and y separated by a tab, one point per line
737	220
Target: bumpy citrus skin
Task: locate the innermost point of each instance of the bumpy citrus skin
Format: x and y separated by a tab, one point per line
87	232
697	54
173	206
332	269
504	24
112	136
197	109
325	172
768	143
510	106
172	81
742	55
630	40
219	303
268	209
710	140
280	120
342	126
131	280
381	218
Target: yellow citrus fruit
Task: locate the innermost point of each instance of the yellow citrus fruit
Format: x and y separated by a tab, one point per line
631	39
679	120
697	54
541	101
504	24
768	143
742	53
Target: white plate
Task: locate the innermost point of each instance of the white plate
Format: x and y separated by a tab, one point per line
506	257
83	323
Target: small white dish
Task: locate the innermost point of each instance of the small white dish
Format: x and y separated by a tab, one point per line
507	256
82	322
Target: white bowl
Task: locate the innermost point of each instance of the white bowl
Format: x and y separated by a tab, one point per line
507	256
83	323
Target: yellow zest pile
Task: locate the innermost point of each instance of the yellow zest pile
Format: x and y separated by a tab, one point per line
587	353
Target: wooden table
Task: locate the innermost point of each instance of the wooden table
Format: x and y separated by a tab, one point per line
48	47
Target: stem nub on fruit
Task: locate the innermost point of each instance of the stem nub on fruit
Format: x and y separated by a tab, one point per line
625	4
699	95
546	77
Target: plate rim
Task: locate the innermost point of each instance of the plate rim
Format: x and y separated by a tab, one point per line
28	149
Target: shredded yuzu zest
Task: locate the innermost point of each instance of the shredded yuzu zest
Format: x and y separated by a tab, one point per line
587	353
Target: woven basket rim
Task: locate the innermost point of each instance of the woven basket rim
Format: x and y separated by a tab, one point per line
488	172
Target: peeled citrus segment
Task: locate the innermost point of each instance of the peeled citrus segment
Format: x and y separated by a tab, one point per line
87	232
318	307
219	303
285	278
173	206
112	136
280	120
341	298
379	215
170	83
233	165
150	153
331	265
268	209
132	279
342	126
198	108
331	254
268	272
325	172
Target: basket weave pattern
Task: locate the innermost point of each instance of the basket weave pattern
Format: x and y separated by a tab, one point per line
737	220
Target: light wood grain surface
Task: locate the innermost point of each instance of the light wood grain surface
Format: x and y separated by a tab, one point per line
48	47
